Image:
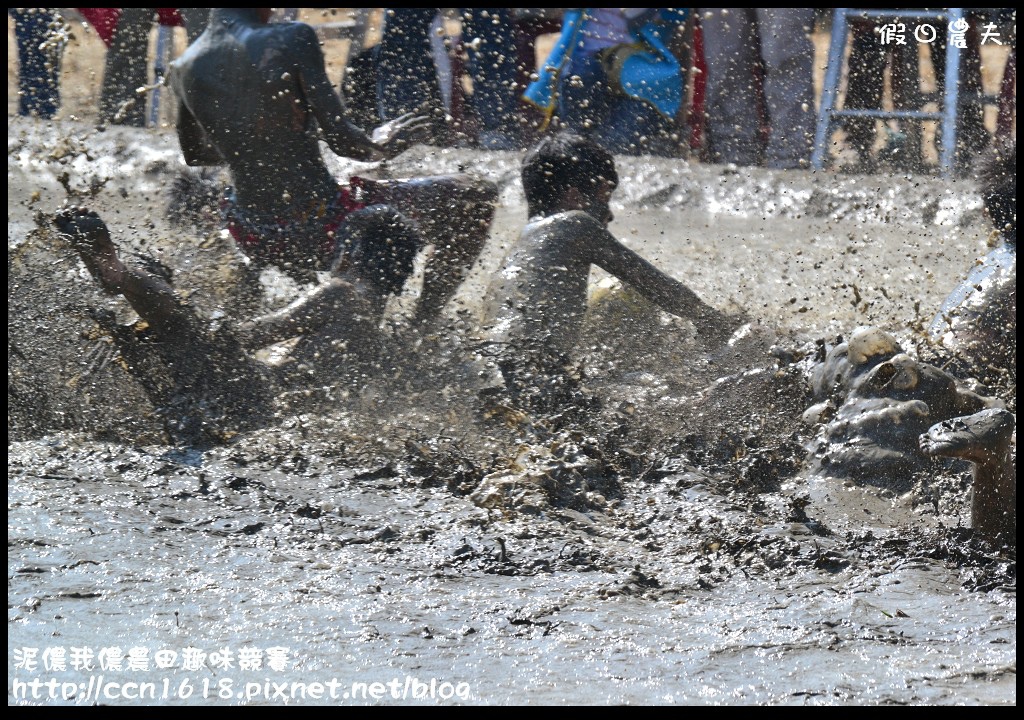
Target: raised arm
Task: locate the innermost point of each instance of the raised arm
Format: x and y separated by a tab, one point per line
343	137
149	294
340	134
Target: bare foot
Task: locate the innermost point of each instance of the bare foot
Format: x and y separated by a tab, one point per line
88	234
984	438
973	437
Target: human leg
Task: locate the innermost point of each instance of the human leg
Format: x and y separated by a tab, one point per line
374	255
379	245
731	50
490	36
38	61
454	214
359	89
584	96
406	74
864	88
634	127
126	69
788	57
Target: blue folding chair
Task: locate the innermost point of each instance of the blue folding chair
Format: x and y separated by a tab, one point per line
946	116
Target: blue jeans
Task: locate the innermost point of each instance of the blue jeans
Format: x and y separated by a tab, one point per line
407	78
492	65
38	69
589	106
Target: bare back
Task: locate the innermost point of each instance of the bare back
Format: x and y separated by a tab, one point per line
252	96
540	293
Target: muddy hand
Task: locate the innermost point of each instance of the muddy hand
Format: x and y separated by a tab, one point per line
86	232
82	228
396	136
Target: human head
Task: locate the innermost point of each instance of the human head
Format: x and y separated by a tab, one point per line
567	163
998	179
380	246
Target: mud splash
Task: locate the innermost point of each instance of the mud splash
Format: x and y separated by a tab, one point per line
657	542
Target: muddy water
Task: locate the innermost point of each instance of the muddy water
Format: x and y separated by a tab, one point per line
657	547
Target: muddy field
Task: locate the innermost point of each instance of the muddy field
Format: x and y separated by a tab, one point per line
658	541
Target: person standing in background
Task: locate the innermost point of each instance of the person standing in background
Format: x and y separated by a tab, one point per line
490	37
736	41
40	47
407	75
125	31
613	75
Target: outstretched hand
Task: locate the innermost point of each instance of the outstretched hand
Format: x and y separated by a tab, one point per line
81	228
396	136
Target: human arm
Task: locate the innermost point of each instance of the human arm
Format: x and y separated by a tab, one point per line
325	304
340	134
149	293
681	41
667	293
195	143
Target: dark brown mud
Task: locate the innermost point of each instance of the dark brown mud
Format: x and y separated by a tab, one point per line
656	540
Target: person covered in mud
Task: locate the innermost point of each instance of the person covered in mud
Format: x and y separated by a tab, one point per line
887	416
874	401
255	96
213	387
542	292
975	330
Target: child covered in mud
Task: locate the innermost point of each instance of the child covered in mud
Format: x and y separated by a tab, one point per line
255	96
216	388
568	181
893	414
875	400
973	334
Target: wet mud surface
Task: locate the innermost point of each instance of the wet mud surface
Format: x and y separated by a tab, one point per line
660	539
